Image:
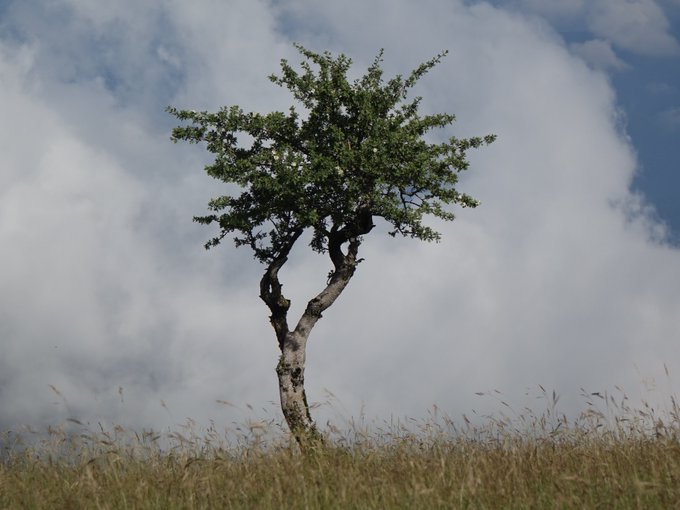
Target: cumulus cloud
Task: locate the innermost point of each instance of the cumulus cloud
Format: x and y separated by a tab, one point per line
560	278
553	9
639	26
105	283
600	55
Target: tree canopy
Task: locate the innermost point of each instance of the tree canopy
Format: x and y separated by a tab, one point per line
352	151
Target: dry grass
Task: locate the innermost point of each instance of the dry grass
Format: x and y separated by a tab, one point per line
610	457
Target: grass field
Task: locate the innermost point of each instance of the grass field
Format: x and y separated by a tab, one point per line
604	459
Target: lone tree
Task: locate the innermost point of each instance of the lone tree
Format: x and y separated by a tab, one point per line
356	152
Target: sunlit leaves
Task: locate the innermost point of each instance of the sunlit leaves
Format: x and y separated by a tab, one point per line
357	149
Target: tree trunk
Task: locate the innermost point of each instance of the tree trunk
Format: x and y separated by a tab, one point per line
291	373
291	367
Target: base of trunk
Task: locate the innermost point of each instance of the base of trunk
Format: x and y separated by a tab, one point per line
291	374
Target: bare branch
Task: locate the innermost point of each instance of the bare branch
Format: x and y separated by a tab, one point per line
345	266
271	294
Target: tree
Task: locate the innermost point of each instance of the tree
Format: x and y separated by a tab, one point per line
357	151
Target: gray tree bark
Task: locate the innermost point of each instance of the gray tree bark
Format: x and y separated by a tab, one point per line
293	344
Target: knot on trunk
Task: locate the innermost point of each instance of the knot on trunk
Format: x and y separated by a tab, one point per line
315	308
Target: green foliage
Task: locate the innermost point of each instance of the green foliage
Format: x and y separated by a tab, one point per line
356	151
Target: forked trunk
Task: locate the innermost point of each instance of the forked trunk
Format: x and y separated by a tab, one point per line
291	367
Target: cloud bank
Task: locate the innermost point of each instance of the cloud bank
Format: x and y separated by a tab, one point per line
639	26
635	27
560	278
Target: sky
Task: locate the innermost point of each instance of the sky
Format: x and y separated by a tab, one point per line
566	277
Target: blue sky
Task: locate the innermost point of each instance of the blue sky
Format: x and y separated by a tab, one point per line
649	95
567	276
641	57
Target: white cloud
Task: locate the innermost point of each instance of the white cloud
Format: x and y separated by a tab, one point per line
639	26
556	10
558	279
600	55
98	290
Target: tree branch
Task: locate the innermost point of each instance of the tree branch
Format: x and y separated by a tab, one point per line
344	263
337	283
270	291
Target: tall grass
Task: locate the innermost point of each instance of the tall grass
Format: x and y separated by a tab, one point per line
611	456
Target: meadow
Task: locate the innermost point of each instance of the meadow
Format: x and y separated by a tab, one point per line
610	456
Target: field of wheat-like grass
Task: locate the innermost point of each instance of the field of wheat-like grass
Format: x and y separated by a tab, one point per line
625	458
